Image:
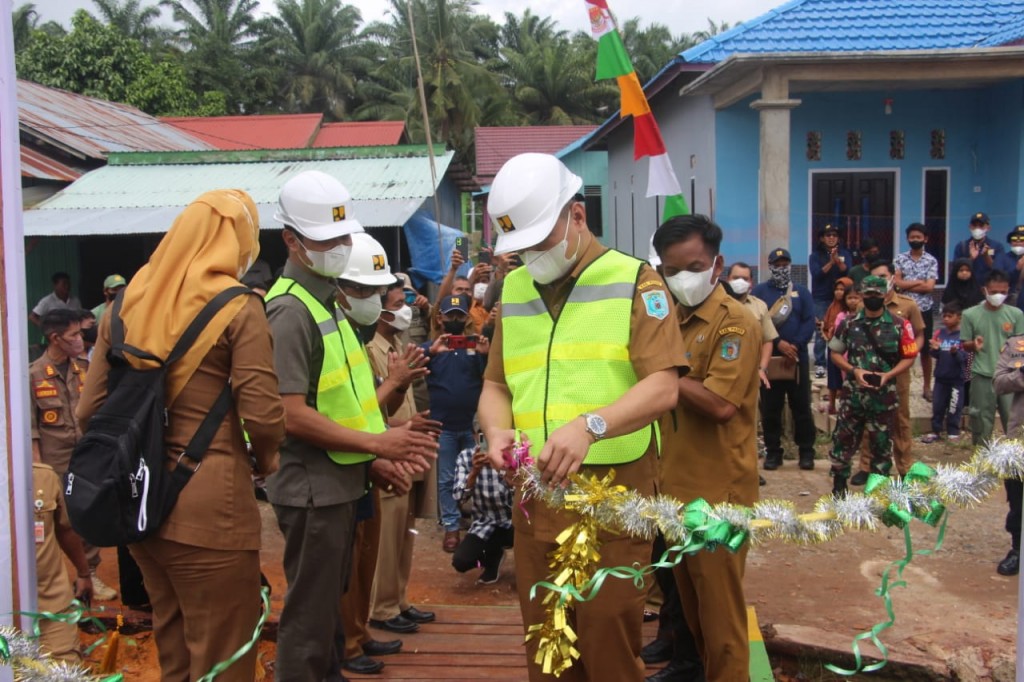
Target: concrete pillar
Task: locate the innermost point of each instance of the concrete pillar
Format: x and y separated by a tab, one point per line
773	173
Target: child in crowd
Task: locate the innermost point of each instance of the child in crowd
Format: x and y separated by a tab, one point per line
951	368
850	302
491	531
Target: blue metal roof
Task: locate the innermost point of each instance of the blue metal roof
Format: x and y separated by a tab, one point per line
868	25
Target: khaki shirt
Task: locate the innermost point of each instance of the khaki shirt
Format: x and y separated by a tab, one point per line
906	307
54	400
700	458
54	584
377	350
760	310
654	345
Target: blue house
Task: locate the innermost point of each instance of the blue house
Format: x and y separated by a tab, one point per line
866	114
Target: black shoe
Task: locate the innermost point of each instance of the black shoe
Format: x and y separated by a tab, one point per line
363	665
416	616
1010	565
807	462
492	571
772	462
375	647
761	480
859	478
397	624
650	616
839	488
679	672
658	651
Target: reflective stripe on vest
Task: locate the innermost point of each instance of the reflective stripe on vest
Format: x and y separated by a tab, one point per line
345	390
556	371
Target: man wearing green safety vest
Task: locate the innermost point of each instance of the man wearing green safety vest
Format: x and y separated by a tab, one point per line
585	356
332	419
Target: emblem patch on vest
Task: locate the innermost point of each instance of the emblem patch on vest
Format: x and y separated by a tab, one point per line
505	223
657	304
730	349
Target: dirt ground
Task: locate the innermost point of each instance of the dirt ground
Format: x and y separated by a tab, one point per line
955	618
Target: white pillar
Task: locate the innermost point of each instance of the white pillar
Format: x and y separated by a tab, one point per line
773	172
18	559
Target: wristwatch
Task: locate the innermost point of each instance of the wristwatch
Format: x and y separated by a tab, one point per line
595	424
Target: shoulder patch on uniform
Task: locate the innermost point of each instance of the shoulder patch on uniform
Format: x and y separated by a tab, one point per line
650	283
740	331
656	303
50	416
730	349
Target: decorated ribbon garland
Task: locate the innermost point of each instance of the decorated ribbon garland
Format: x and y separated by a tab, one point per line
923	494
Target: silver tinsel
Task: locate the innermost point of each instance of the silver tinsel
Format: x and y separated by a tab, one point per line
857	511
782	516
19	645
29	664
961	486
633	517
1002	457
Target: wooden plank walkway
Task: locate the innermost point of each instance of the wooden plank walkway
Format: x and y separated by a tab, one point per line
486	643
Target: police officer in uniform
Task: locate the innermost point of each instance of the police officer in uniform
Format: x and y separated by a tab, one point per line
872	348
709	442
1009	379
585	357
333	421
56	379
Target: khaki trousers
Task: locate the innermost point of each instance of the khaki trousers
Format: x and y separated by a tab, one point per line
60	640
711	591
354	607
902	437
394	555
205	606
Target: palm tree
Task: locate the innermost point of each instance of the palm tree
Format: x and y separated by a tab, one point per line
713	30
24	19
650	48
320	51
131	18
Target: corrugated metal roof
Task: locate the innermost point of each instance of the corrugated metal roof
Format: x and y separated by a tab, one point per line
90	127
869	25
126	199
496	145
360	134
35	164
276	131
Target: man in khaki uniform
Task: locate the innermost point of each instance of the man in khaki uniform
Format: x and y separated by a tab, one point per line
56	380
709	446
902	440
533	200
740	279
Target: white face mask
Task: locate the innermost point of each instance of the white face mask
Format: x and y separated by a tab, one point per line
403	318
547	266
363	311
479	289
978	233
1017	250
330	263
691	288
739	286
995	300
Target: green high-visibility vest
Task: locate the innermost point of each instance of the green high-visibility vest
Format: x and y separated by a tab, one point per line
557	370
345	391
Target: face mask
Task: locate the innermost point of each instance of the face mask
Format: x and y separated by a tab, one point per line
691	288
479	290
403	318
889	285
916	246
454	327
995	300
874	303
329	263
739	286
547	266
89	335
72	348
780	276
977	233
363	311
1017	250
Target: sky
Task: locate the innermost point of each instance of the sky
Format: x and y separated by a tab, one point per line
679	15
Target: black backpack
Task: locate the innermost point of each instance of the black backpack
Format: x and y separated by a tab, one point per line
118	489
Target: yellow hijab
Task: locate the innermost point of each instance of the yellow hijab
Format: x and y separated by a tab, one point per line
208	248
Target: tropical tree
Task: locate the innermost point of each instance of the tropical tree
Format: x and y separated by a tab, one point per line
100	61
25	20
651	48
133	19
711	31
320	54
222	53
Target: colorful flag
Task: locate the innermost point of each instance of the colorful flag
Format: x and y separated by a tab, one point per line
613	62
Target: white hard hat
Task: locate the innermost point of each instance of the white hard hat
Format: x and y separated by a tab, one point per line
317	206
526	197
368	263
652	255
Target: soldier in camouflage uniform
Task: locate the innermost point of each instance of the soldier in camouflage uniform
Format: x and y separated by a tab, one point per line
878	347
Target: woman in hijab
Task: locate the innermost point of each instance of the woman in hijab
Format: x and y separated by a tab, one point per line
201	567
961	287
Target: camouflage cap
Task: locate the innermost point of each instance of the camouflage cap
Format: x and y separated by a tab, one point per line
873	284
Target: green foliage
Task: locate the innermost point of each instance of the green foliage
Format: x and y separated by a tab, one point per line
98	60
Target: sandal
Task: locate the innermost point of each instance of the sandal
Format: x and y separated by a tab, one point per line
927	394
931	438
